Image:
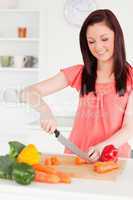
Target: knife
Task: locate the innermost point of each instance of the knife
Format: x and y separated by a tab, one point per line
71	146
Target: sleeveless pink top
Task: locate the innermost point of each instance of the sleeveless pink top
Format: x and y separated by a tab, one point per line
97	117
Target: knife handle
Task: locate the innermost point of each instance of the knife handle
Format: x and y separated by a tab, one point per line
57	133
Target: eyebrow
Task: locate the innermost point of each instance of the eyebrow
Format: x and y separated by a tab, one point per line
100	36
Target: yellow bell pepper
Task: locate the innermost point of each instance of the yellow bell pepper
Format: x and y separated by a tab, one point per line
29	155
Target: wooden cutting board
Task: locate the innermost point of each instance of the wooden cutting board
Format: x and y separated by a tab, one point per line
85	171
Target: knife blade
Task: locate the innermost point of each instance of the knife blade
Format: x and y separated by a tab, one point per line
71	146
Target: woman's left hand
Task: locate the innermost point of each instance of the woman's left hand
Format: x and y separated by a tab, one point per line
93	154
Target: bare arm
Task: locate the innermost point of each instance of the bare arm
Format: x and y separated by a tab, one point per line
33	94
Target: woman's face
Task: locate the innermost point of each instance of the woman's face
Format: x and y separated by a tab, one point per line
100	40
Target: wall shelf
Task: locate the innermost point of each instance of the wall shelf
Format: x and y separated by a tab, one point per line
20	39
12	45
19	10
9	69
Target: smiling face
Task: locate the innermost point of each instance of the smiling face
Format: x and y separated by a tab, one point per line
100	39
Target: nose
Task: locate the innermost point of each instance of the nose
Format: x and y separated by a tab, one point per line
98	46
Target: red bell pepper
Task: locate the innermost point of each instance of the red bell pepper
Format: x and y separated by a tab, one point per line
109	153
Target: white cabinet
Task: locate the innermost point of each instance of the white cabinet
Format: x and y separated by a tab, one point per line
19	56
22	49
19	43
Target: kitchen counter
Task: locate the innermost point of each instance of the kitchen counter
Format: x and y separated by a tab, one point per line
79	189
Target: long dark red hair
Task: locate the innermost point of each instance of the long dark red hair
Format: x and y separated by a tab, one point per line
89	74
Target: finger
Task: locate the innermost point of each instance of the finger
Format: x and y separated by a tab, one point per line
91	151
94	156
44	124
52	129
48	127
93	159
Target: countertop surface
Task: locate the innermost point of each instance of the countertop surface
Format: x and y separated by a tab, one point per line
80	189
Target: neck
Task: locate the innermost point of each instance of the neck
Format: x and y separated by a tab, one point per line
105	68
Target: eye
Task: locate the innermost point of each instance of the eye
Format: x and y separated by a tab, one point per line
90	42
104	39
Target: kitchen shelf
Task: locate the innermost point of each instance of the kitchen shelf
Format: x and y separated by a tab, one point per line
20	39
19	10
19	69
15	76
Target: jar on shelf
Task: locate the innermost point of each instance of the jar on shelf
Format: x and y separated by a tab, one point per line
22	32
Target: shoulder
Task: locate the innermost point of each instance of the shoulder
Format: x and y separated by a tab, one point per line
73	68
73	75
73	71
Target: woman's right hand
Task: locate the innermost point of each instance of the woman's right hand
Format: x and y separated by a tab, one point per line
48	123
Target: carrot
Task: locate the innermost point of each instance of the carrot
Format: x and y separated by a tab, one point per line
48	161
103	167
52	160
64	177
80	161
43	168
55	160
46	178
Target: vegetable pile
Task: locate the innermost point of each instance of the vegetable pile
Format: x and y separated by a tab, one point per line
11	169
23	164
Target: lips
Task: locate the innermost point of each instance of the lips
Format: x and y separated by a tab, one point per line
100	53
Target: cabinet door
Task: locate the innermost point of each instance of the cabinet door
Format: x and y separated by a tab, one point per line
59	48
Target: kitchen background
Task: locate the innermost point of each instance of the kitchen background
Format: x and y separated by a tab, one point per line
37	38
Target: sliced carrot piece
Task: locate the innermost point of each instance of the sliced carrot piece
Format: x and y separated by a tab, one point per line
51	178
80	161
39	176
107	166
52	160
48	161
64	177
46	178
44	168
55	160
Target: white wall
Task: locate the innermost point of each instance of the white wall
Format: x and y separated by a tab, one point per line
62	40
31	4
59	48
124	12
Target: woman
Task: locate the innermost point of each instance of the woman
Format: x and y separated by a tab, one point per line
105	112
